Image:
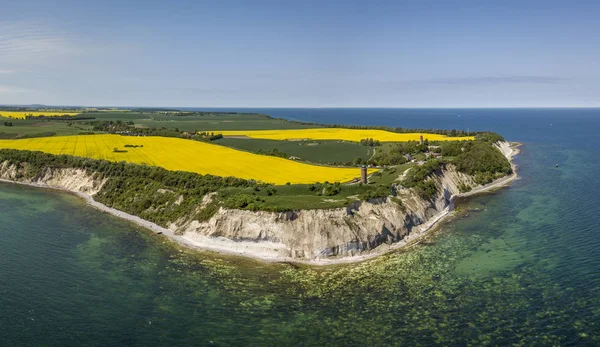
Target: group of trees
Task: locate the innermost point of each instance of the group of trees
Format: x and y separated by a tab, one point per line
417	178
482	161
128	129
326	188
488	137
177	113
60	117
273	152
370	142
209	136
397	154
8	124
479	159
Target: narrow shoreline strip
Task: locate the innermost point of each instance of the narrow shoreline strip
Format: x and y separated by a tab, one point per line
410	239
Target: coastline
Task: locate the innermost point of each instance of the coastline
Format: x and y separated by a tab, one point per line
411	239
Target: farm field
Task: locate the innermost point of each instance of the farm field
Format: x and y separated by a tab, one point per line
37	127
314	151
117	115
24	114
219	122
141	119
186	155
354	135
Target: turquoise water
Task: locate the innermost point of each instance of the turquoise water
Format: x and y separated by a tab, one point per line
519	266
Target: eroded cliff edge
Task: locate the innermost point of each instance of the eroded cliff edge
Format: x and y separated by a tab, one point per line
360	230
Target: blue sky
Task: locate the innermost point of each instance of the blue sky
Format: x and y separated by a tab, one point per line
300	53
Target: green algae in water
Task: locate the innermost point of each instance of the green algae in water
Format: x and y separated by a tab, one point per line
153	292
24	201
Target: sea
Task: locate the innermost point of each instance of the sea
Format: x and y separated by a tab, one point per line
516	267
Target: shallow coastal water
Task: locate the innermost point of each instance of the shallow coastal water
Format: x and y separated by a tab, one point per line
516	266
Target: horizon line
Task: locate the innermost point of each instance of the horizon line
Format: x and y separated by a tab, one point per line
304	107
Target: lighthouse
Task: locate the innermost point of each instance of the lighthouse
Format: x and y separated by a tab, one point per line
363	174
421	139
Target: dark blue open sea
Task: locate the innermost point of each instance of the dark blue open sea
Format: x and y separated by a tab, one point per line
520	266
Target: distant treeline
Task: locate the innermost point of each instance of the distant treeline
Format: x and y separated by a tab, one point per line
11	136
128	129
272	152
61	118
41	109
206	113
150	109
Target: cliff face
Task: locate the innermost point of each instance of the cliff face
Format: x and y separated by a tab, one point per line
304	234
75	180
310	234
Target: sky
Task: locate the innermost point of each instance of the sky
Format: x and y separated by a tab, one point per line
300	53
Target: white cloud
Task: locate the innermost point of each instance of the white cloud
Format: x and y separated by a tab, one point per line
6	72
22	42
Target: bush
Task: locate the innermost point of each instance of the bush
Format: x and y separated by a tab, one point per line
332	189
418	178
370	142
378	191
242	200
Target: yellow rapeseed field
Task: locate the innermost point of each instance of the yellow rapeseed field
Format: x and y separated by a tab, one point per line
354	135
24	114
186	155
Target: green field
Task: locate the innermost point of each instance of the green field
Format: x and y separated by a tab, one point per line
218	122
38	127
323	152
116	115
390	174
300	197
